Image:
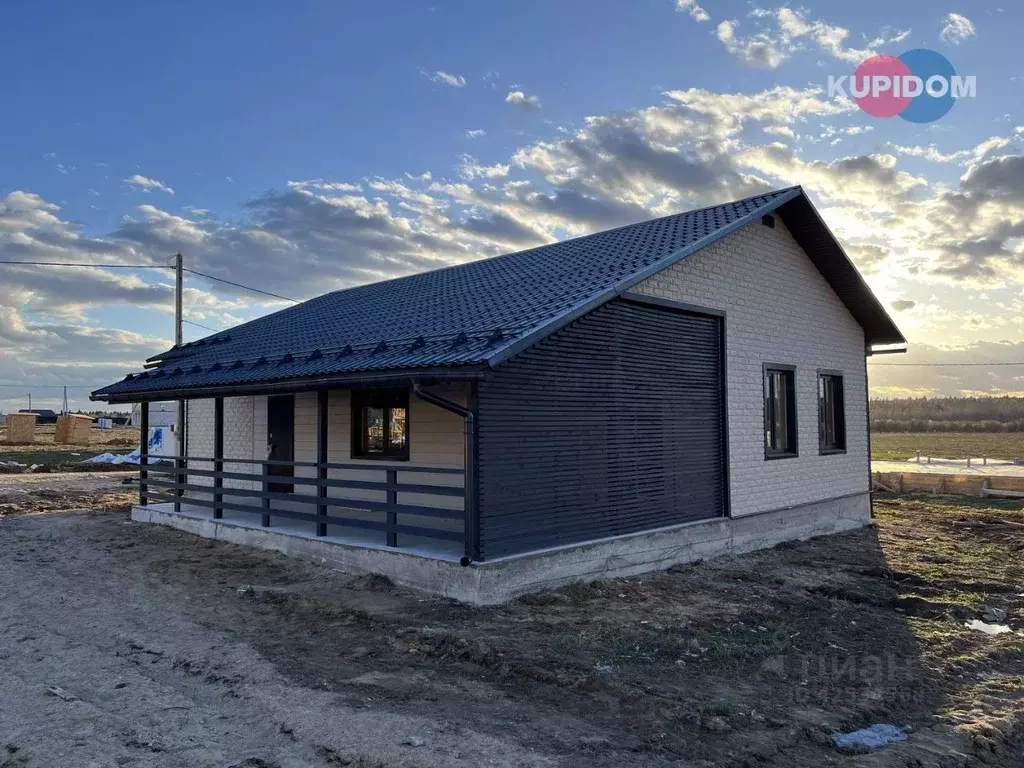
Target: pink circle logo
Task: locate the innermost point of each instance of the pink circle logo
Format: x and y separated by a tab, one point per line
872	86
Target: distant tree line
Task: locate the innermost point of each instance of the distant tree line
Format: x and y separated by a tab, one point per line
948	414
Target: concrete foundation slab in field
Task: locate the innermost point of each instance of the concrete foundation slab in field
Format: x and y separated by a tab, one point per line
968	467
497	581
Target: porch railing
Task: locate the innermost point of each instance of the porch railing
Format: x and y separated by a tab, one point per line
173	480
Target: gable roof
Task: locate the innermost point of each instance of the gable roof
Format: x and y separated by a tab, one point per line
483	312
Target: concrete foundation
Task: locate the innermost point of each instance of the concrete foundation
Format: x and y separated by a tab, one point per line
499	580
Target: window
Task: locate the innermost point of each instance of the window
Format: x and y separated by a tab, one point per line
380	424
831	414
779	411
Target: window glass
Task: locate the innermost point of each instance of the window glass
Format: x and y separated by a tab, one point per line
779	412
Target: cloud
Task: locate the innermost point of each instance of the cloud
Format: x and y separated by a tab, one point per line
869	180
1001	178
147	184
520	99
697	13
469	169
326	186
782	105
780	130
902	305
932	154
956	28
447	78
476	133
759	51
790	32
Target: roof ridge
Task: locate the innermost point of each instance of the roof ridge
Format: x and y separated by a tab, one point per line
191	346
642	222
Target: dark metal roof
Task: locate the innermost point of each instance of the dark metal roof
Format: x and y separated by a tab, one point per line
483	312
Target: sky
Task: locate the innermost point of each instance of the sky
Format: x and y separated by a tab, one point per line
304	147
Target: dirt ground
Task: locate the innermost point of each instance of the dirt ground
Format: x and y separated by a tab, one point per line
67	458
126	644
33	494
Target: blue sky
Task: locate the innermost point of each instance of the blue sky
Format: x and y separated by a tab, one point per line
285	145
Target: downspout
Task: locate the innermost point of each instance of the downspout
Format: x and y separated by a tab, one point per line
867	416
471	529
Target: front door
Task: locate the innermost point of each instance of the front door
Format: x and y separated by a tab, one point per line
281	439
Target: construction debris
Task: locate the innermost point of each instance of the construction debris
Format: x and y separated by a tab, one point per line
17	466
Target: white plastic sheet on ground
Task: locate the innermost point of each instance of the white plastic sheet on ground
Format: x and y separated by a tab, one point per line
156	449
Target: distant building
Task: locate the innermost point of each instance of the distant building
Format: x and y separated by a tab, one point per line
43	415
160	415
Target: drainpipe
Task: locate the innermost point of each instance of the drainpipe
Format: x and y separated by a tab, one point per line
470	532
867	415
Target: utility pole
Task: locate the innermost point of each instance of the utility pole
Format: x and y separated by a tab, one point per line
178	283
64	410
179	432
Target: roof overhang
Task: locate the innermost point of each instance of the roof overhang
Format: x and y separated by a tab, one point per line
286	386
813	235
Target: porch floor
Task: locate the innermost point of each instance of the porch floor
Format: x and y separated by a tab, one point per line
289	527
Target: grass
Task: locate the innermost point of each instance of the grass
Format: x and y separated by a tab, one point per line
947	445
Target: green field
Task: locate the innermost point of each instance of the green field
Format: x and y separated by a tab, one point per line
947	445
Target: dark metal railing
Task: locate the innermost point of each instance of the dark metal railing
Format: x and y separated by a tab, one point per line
172	481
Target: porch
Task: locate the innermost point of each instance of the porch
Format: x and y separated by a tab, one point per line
313	482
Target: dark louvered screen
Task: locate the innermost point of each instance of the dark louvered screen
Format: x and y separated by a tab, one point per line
610	426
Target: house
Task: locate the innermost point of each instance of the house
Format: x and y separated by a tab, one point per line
43	415
602	406
160	415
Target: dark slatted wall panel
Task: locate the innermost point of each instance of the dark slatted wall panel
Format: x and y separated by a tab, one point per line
610	426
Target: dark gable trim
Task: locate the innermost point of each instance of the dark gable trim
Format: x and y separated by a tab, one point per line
813	235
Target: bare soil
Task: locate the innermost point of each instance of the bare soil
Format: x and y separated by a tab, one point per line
54	457
35	494
126	644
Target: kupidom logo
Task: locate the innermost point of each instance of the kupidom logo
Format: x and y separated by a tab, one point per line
920	86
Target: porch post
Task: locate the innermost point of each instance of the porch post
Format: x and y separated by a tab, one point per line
218	455
471	530
321	460
392	499
143	450
179	450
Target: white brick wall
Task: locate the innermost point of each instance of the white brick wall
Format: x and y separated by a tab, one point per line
779	309
239	437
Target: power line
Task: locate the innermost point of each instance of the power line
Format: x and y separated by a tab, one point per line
942	365
148	266
200	325
75	264
239	285
29	384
